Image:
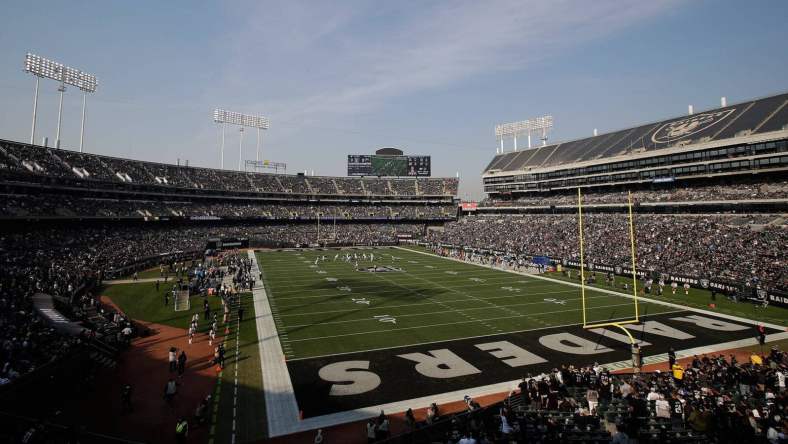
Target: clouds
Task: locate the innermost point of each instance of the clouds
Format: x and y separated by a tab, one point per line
336	59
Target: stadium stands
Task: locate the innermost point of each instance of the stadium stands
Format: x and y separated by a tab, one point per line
140	207
773	188
36	164
704	247
743	139
754	117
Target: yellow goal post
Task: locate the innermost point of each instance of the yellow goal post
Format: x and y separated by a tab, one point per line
622	323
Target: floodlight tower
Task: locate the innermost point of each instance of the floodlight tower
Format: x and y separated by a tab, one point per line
515	129
42	67
223	117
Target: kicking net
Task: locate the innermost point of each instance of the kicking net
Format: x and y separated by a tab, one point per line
182	300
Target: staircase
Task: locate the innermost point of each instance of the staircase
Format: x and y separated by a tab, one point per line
279	182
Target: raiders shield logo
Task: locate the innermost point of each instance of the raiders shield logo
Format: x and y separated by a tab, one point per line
619	270
704	283
680	129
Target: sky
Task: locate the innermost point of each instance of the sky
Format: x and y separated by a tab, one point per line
348	77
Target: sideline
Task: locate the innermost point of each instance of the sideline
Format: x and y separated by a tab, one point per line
280	402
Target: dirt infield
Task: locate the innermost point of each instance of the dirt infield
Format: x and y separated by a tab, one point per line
144	365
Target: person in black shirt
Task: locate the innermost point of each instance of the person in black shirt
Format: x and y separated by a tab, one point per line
671	358
524	395
676	412
125	398
761	334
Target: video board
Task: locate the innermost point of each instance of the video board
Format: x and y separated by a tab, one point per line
392	166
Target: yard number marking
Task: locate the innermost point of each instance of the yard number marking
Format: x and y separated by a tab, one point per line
555	301
386	318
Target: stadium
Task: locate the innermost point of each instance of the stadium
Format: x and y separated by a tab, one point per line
631	286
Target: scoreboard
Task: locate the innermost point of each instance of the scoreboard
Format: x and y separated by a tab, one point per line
397	166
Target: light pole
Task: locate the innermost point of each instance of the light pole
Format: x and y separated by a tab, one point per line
61	89
257	157
240	147
35	107
43	67
221	150
224	117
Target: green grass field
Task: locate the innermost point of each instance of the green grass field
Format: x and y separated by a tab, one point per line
331	308
141	301
697	298
248	402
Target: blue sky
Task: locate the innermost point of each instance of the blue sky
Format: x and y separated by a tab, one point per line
345	77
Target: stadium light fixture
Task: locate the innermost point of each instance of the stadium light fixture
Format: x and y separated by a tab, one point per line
515	129
223	117
42	67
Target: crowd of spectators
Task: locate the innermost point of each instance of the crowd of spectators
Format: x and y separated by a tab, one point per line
25	160
60	206
715	399
705	247
62	261
731	190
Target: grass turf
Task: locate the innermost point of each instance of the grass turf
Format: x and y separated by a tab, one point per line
249	408
141	301
697	298
331	308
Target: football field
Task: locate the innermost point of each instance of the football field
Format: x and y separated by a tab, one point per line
345	333
326	307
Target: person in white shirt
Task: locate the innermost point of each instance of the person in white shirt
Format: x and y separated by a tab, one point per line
172	358
371	437
652	395
626	389
662	408
781	381
592	396
467	439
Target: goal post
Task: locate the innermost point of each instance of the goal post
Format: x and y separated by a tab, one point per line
621	323
182	300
